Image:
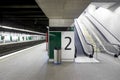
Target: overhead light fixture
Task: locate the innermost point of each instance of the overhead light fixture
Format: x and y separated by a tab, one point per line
6	27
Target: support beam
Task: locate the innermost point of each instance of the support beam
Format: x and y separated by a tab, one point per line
60	22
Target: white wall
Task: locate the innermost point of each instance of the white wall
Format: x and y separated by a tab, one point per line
110	19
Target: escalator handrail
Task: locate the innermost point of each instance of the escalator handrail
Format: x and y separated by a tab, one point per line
118	45
85	40
104	27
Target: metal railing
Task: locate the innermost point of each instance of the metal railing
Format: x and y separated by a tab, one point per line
118	45
105	28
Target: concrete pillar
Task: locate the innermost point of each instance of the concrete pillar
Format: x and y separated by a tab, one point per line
61	35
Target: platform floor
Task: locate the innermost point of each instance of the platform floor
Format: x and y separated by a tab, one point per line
31	64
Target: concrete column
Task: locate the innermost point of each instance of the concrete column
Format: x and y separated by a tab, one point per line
61	35
60	22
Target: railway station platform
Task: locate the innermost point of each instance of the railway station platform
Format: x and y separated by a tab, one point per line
59	40
32	64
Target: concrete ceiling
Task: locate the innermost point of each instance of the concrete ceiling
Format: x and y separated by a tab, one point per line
25	14
103	4
69	9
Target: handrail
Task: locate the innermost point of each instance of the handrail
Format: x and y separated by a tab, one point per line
87	42
104	36
104	27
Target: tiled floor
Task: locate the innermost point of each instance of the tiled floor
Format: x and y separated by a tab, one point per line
32	64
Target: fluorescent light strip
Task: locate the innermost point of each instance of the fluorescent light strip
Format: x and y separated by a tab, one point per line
6	27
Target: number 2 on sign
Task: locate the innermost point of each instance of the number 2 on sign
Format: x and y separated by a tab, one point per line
66	48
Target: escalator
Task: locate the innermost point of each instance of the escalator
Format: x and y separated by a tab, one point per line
78	46
110	48
83	48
